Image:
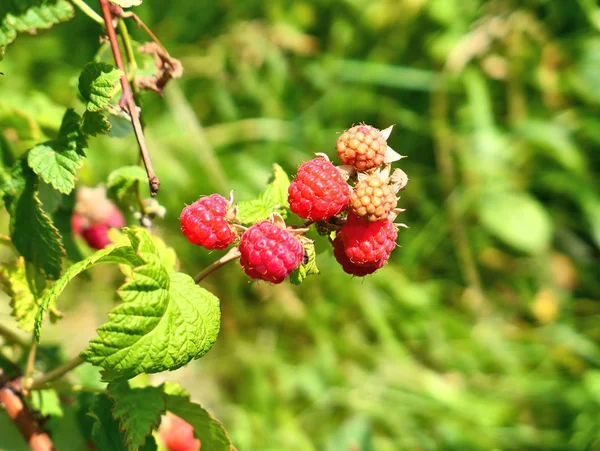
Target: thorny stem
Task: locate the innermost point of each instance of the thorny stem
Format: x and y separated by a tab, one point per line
230	256
55	374
128	98
133	69
16	410
84	7
443	153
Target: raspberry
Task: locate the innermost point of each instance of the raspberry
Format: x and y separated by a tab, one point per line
205	223
319	191
362	146
367	242
269	252
96	236
177	434
339	253
373	199
93	215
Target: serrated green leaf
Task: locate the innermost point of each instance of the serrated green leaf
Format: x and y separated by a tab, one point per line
252	211
22	301
122	182
121	254
273	199
105	431
70	135
95	123
97	84
57	161
30	15
138	410
31	230
517	219
55	166
165	321
298	275
126	3
46	402
208	429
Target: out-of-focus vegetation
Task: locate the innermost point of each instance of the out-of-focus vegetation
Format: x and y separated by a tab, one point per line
483	332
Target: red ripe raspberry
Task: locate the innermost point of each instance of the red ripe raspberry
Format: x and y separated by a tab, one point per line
269	252
367	242
373	199
319	191
362	146
205	223
96	233
96	236
339	252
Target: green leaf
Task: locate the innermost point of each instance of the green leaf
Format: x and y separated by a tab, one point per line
208	429
13	277
165	321
252	211
277	191
70	135
97	84
126	3
298	275
273	199
31	230
95	123
122	182
105	431
55	166
138	410
57	162
62	220
121	254
517	219
46	402
20	16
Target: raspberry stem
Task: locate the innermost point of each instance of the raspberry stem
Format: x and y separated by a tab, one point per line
128	99
230	256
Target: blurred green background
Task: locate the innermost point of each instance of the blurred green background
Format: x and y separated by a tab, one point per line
483	332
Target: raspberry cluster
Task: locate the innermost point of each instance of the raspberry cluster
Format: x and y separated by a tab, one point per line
355	205
367	235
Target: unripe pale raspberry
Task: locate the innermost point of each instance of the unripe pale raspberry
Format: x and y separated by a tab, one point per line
362	146
319	191
269	252
367	242
339	252
373	199
206	224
